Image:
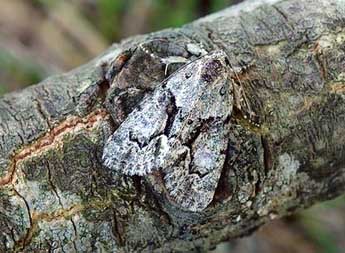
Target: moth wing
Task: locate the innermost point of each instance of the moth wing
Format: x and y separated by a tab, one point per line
141	144
192	177
191	182
187	143
131	150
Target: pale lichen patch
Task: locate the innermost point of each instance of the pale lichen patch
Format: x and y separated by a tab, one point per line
285	185
41	200
289	166
77	234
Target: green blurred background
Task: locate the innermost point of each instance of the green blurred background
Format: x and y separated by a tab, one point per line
43	37
39	38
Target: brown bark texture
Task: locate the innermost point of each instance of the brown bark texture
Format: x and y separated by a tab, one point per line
55	195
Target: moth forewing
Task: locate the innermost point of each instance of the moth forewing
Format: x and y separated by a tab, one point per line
202	143
129	149
180	130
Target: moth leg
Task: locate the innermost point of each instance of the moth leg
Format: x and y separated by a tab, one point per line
242	103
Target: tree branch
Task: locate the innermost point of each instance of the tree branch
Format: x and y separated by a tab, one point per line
286	148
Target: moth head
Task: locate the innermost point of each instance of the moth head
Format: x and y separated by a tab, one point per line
216	64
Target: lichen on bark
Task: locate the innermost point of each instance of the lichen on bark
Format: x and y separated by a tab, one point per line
56	195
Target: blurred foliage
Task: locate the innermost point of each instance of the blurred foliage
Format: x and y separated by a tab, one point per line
112	22
17	70
39	38
324	224
319	229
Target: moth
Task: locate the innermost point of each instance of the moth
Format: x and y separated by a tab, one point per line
180	130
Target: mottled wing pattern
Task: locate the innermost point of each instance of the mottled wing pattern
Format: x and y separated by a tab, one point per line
181	130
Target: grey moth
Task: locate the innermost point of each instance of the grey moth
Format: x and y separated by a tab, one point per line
181	131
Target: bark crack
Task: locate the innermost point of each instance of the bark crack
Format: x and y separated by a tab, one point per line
285	17
75	234
53	186
40	110
25	239
63	213
317	53
54	136
268	163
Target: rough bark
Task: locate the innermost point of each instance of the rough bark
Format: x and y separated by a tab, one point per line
56	196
